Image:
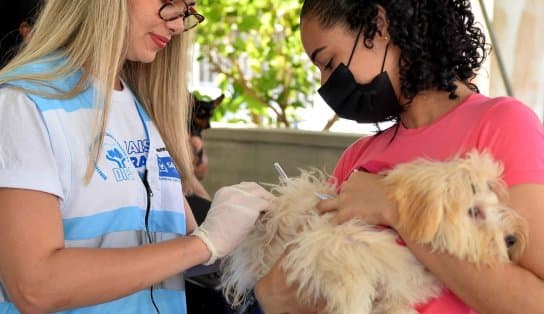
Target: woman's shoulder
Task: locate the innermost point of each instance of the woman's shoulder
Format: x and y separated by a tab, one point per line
351	154
514	134
501	107
483	114
27	76
511	112
365	142
359	145
10	95
16	105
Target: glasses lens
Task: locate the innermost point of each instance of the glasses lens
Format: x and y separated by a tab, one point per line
191	21
174	10
170	12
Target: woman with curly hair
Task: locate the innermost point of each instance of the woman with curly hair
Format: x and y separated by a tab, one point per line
412	62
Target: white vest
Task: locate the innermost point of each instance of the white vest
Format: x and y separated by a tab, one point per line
111	210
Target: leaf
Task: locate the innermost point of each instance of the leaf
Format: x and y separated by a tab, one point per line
249	23
262	39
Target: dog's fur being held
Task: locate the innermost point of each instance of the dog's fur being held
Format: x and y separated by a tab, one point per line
456	206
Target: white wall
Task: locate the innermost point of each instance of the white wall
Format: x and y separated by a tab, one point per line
519	27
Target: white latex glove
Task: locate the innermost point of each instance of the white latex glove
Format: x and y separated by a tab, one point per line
233	212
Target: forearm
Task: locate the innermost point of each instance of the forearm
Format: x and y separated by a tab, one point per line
76	277
190	221
199	189
502	288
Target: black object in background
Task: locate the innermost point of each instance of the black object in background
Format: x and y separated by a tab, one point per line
201	293
12	13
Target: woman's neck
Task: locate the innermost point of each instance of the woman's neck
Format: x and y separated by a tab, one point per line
428	106
118	85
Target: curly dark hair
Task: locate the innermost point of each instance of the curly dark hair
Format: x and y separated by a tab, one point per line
438	39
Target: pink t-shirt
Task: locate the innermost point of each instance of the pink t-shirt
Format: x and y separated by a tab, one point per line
503	126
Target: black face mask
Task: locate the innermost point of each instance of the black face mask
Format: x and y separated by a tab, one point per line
365	103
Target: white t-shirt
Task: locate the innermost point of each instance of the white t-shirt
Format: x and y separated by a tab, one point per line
26	158
114	210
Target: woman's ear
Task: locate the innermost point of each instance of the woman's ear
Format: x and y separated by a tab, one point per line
382	23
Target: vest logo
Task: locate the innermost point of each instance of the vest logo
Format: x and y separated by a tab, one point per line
122	172
116	159
137	151
167	169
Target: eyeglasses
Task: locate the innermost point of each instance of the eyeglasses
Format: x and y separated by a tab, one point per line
172	10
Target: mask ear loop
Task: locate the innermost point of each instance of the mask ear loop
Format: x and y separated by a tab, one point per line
355	45
385	56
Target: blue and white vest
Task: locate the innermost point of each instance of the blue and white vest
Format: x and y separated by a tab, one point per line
110	212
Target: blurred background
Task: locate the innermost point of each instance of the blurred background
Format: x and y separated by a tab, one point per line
250	49
12	15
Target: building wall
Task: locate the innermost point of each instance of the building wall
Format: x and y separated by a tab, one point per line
237	155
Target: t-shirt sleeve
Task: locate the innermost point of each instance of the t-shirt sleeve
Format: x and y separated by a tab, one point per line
26	157
513	134
338	173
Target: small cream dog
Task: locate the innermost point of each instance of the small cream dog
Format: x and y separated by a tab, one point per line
454	206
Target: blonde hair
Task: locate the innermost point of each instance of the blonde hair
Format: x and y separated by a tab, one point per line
92	36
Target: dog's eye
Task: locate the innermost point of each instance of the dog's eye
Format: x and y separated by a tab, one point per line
475	212
490	186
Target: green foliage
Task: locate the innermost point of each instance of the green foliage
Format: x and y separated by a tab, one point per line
198	95
254	46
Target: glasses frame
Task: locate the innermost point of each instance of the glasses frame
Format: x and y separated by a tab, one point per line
185	14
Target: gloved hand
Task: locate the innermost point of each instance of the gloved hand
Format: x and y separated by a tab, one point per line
233	212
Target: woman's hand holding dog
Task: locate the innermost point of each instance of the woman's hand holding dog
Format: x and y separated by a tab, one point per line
361	196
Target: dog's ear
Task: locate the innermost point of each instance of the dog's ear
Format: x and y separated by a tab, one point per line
427	193
419	191
218	101
420	223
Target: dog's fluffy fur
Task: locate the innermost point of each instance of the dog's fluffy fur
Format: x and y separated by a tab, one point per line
454	206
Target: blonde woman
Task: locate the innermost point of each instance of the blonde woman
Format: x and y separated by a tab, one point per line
93	157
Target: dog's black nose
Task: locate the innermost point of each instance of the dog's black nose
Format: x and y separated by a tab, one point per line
510	240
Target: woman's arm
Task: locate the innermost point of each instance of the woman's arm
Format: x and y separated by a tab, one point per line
198	189
190	221
503	288
42	276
